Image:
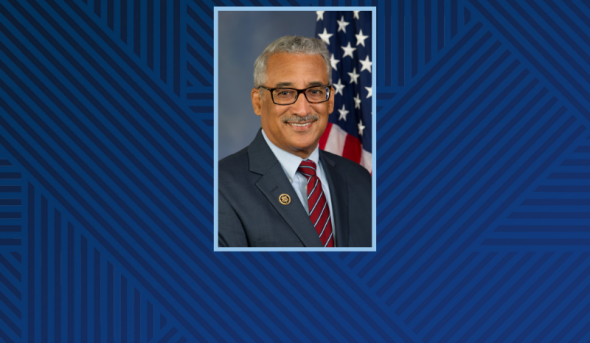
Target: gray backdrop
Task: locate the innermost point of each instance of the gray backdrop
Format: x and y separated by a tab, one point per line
242	37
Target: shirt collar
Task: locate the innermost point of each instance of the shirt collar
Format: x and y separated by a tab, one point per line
288	161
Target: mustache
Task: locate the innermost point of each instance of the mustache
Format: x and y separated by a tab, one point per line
298	119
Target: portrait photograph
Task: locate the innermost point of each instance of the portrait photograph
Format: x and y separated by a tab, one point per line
294	115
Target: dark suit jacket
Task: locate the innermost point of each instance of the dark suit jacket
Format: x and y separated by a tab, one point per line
250	213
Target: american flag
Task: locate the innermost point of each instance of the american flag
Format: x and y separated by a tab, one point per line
347	36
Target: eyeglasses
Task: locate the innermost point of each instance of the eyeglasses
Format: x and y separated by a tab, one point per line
288	96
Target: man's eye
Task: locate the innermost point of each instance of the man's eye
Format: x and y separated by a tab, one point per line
284	93
316	91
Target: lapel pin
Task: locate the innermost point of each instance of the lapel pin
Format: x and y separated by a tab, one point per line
285	199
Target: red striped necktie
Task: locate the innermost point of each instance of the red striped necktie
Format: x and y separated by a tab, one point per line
319	211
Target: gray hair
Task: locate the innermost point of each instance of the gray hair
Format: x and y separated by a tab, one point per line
291	45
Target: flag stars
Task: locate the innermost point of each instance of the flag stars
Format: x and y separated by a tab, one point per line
355	43
325	36
320	15
361	127
342	24
334	62
353	76
360	39
338	87
343	113
366	64
357	101
348	50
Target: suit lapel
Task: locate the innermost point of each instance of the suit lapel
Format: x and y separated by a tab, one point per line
273	183
338	197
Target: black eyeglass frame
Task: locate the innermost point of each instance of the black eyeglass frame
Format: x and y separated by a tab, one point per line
299	91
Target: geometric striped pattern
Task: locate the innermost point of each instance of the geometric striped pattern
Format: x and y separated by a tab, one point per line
90	296
106	181
466	151
67	288
556	212
12	210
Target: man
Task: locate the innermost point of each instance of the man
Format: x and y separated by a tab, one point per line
282	191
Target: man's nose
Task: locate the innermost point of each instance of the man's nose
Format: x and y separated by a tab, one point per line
301	106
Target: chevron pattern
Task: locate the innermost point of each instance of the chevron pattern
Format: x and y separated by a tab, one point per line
106	181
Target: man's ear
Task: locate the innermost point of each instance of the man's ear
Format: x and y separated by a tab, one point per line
331	100
256	101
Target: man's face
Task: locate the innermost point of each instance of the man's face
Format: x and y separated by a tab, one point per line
297	71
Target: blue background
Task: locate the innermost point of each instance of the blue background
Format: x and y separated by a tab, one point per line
106	181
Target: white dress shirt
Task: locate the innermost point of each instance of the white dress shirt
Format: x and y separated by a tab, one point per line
290	163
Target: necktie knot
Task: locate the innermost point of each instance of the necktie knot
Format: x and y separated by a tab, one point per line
307	168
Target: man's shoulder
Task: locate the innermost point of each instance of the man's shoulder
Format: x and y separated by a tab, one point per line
346	166
234	164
